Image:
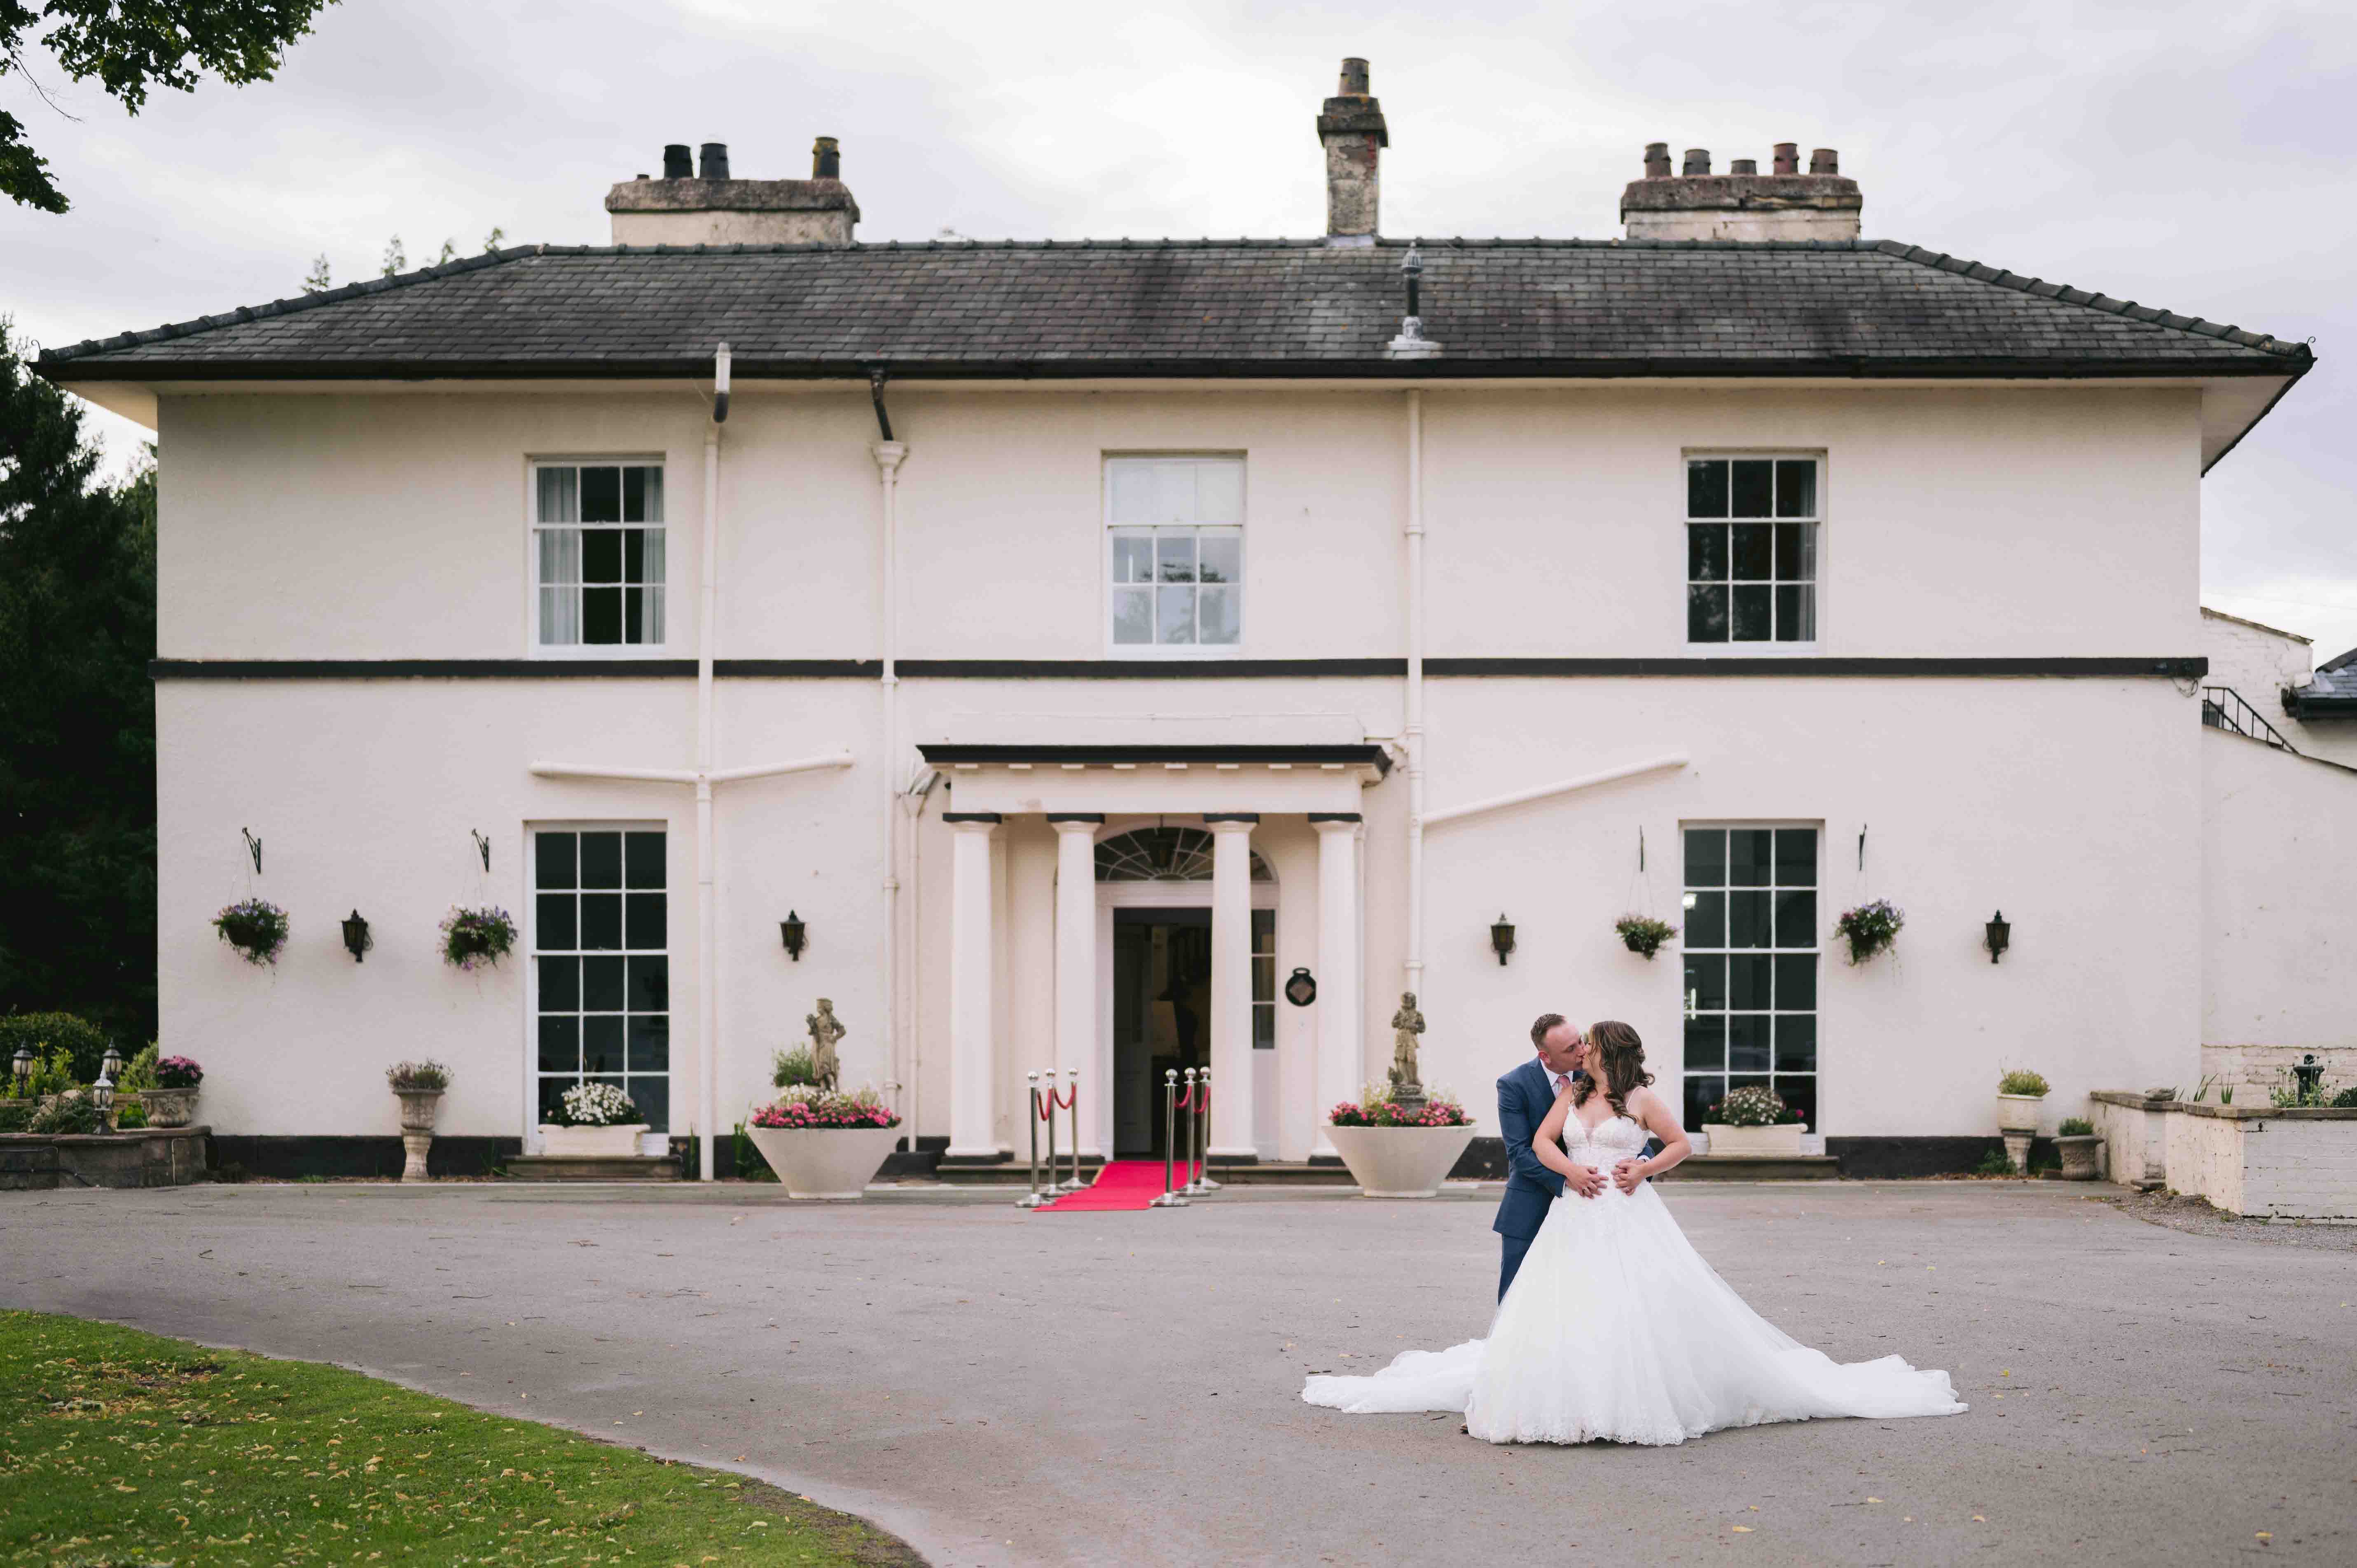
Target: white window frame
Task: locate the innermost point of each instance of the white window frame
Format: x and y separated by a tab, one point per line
530	1055
1732	648
1183	651
674	603
1821	950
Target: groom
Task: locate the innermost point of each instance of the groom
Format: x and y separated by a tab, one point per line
1524	1097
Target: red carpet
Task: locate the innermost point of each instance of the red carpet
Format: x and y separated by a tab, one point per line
1123	1184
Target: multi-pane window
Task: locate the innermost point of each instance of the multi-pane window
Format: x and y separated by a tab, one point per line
1176	572
597	551
1751	966
1264	962
1751	550
601	970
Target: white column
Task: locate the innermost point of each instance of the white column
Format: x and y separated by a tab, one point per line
1232	991
1076	958
1342	1008
974	1054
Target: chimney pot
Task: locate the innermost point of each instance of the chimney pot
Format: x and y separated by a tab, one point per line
1354	79
826	159
715	160
1657	160
1697	160
1824	160
1744	166
676	162
1788	158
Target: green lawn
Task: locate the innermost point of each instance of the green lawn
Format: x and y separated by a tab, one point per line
122	1448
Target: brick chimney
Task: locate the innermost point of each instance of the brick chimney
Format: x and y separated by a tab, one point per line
708	207
1352	130
1742	204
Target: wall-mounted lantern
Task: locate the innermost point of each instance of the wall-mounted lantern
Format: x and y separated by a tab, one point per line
1301	989
23	1069
1501	939
1999	937
357	940
794	934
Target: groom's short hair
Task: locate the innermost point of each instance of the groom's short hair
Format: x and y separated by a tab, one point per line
1546	1021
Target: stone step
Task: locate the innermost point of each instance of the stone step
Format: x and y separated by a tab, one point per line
592	1167
1757	1168
1320	1174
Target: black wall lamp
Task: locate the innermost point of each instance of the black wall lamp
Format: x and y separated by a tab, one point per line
794	933
1301	989
1501	939
357	940
1999	937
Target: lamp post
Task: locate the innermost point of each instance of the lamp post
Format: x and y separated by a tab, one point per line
101	1093
22	1067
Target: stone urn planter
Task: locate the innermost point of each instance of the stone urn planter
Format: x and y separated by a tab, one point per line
1400	1162
169	1107
2080	1153
833	1163
1777	1141
619	1141
418	1108
2019	1112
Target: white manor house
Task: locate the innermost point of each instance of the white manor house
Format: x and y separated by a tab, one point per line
1077	641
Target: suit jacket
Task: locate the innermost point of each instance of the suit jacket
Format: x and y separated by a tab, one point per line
1524	1097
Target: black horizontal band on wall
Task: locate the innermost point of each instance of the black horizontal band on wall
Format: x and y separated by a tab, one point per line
2184	669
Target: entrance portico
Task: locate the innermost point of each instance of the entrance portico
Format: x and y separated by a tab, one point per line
1109	807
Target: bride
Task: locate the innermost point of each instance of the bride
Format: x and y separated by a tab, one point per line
1615	1329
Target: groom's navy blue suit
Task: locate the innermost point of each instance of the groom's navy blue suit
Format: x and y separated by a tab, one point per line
1524	1097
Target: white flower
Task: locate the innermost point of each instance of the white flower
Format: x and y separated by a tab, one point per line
597	1105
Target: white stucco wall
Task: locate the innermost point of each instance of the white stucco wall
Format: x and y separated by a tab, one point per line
2259	661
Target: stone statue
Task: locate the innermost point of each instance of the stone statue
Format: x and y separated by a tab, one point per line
825	1029
1406	1024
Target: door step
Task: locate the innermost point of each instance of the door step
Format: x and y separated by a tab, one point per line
592	1167
1757	1168
1263	1172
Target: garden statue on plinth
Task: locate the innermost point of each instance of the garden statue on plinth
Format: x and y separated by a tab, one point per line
825	1029
1407	1088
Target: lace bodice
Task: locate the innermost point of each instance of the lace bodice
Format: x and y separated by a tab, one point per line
1614	1139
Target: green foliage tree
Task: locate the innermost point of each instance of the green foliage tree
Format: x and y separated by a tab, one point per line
78	710
131	46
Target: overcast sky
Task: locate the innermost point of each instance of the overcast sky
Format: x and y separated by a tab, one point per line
2197	156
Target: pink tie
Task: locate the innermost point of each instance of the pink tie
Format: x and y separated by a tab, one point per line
1561	1080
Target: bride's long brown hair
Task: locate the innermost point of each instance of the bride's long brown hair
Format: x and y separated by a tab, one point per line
1620	1053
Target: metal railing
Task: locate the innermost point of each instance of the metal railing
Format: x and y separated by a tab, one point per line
2222	707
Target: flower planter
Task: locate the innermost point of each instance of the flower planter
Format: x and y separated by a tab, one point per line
2079	1155
2019	1112
1400	1162
168	1107
834	1163
600	1142
418	1107
1780	1140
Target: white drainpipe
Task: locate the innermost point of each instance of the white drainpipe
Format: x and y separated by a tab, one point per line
707	916
889	456
1415	726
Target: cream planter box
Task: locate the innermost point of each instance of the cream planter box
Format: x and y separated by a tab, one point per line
1781	1142
1399	1161
824	1161
2019	1112
606	1142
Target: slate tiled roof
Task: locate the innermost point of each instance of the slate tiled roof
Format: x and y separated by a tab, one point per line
2333	694
1194	307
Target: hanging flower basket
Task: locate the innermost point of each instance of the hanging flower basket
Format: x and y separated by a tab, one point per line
1870	929
1643	934
255	927
474	937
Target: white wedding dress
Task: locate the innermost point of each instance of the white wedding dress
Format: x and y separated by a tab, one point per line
1615	1329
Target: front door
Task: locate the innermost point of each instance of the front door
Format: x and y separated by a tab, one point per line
1162	1013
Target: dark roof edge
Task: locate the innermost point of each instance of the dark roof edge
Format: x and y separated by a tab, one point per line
941	753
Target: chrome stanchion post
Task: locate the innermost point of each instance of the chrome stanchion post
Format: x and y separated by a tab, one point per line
1047	1114
1034	1198
1170	1199
1072	1098
1202	1183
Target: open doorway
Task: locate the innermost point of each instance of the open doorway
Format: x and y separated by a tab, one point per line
1161	1016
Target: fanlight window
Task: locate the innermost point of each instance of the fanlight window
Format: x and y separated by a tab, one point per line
1164	854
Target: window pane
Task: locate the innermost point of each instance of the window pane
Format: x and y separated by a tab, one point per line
601	923
1222	612
601	615
634	615
1702	1093
1747	979
601	984
601	494
1174	556
1705	983
601	860
559	626
1706	613
1797	612
648	983
1754	552
650	1043
1796	1045
1747	857
554	925
654	493
1706	1044
557	496
1219	491
1705	920
645	912
1221	557
552	1096
1796	857
642	858
1796	983
560	555
601	555
652	1097
1263	1026
1747	919
1705	857
634	495
560	1045
560	986
1801	1094
601	1042
634	556
1796	486
1174	615
551	860
1796	920
1751	622
1174	492
1747	1042
1133	614
1133	491
1133	557
1707	552
1751	491
1707	487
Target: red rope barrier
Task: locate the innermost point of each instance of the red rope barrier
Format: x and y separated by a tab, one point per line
1043	1105
1064	1101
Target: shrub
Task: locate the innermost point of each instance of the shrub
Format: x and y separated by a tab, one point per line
1753	1106
861	1108
82	1040
129	1115
790	1068
1643	934
2021	1080
473	938
2346	1100
417	1078
255	927
1376	1108
1870	928
16	1118
53	1074
139	1072
68	1114
1995	1163
178	1072
2076	1127
596	1105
